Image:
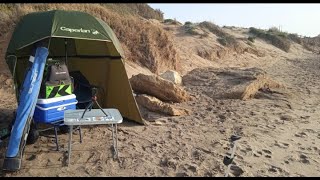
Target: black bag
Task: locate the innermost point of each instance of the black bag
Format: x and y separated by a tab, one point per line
57	81
58	74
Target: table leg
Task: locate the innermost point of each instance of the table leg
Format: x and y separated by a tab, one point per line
113	142
116	140
70	142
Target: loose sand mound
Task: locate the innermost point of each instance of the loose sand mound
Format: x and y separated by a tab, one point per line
230	83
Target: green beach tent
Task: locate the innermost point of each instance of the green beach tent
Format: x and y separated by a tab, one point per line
86	43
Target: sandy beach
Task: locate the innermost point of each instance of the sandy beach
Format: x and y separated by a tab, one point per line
279	127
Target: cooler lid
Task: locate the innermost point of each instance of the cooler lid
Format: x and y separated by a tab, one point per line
56	99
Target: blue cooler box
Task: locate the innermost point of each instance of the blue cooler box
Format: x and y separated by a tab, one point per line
52	109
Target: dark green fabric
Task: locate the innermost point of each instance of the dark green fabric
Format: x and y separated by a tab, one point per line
31	28
84	34
35	27
112	36
75	24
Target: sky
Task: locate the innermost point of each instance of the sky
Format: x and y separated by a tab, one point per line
303	19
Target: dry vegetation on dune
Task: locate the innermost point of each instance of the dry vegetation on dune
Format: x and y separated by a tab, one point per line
224	39
312	44
283	40
232	43
9	16
226	42
143	42
275	37
140	9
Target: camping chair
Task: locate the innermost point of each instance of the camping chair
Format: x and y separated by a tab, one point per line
59	124
84	91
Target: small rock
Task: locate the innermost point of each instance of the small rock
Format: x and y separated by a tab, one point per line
172	76
158	123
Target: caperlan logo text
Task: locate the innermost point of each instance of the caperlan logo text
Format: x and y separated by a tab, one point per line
79	30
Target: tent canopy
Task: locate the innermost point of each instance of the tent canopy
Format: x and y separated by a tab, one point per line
87	44
38	26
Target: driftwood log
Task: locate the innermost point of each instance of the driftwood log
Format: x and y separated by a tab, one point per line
158	87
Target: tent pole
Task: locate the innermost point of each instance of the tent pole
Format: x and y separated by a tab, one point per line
66	51
49	44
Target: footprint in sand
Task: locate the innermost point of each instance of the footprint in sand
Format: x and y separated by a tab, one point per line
258	154
208	174
282	145
216	144
246	152
236	170
266	153
302	148
192	167
274	169
305	122
301	134
240	157
304	117
271	126
286	117
304	159
169	162
287	162
182	174
310	130
292	158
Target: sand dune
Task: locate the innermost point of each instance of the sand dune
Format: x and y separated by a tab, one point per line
279	128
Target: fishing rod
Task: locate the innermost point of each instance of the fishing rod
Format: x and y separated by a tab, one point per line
227	160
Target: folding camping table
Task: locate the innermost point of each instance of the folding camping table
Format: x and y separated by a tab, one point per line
93	117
